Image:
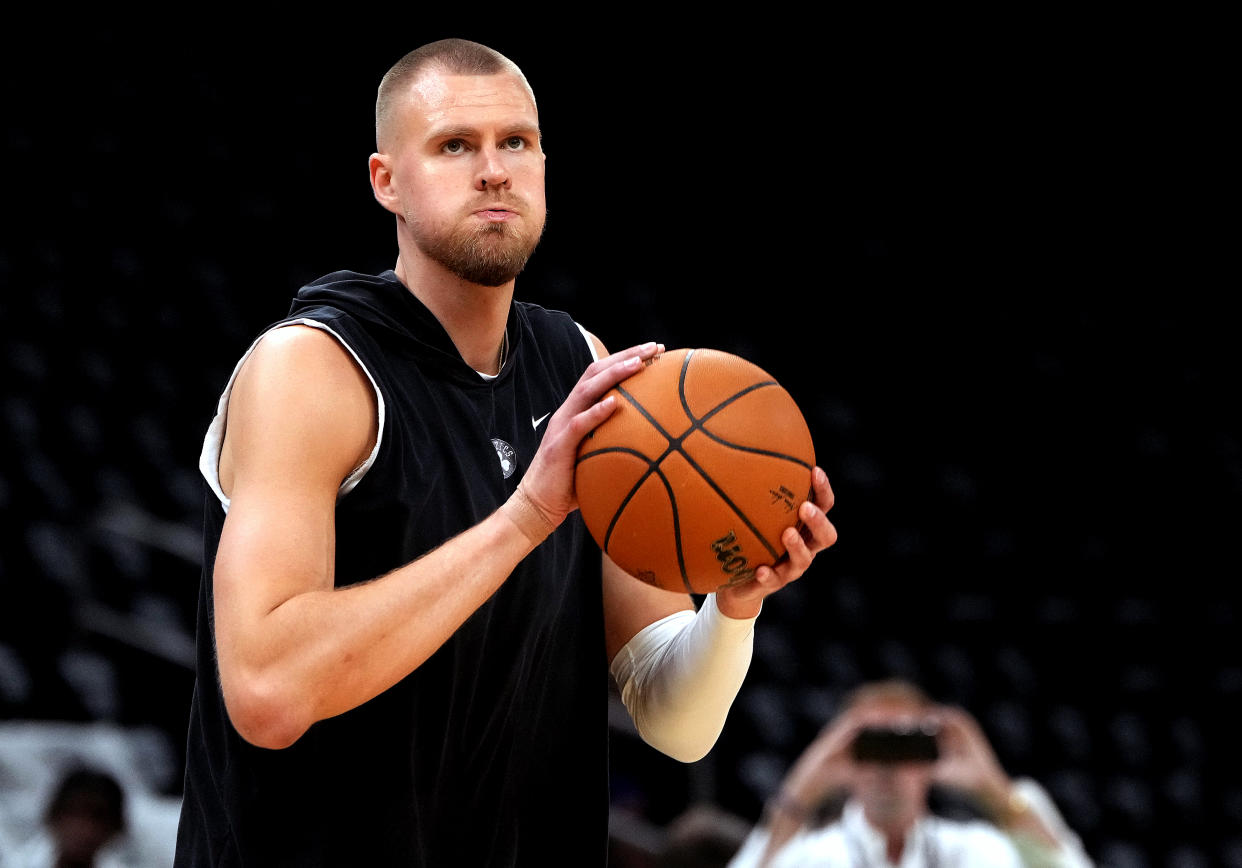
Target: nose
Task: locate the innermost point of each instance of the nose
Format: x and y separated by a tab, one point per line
492	172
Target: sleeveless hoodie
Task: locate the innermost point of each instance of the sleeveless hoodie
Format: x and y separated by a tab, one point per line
493	752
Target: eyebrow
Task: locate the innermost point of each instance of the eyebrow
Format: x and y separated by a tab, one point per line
463	132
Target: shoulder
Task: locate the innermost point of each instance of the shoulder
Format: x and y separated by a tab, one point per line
301	384
297	351
348	286
557	335
544	320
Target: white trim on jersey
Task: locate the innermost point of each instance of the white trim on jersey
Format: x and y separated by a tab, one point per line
590	343
213	442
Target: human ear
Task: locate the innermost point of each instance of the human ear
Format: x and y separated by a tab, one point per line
381	183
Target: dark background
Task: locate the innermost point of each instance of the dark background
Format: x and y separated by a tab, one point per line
984	255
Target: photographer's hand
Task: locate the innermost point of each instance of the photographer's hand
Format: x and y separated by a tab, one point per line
826	767
969	764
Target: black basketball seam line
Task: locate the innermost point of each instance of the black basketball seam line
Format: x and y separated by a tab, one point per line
736	511
753	450
674	445
696	424
652	469
750	450
674	442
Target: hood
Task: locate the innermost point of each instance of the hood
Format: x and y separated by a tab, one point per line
395	314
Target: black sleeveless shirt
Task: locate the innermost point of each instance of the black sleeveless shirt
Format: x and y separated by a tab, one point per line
494	751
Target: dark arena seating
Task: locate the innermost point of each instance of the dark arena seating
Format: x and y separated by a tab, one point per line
984	284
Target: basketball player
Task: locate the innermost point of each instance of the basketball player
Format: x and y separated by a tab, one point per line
403	642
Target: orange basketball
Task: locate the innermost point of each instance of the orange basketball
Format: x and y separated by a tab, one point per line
689	484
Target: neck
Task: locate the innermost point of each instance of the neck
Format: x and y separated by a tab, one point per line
895	830
896	845
474	316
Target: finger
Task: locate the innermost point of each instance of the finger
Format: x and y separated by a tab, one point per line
645	351
818	531
594	386
602	375
591	418
822	488
766	580
798	552
790	567
613	368
845	729
952	720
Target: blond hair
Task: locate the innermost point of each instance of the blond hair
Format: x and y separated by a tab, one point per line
451	56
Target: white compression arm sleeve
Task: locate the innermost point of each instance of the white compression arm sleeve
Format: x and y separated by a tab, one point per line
679	676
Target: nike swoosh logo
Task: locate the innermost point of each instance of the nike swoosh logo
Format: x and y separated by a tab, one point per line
534	423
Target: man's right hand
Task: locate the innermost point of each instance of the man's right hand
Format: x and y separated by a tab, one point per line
548	485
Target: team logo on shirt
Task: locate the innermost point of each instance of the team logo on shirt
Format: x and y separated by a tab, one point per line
508	458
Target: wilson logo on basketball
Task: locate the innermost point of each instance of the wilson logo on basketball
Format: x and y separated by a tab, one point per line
732	563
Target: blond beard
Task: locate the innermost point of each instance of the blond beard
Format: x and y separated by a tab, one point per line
491	255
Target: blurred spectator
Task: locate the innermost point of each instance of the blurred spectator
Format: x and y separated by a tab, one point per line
83	826
703	836
859	795
55	775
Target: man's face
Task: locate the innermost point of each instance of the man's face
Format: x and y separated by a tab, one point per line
468	169
893	794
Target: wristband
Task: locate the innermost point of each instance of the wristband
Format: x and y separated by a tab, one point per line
528	517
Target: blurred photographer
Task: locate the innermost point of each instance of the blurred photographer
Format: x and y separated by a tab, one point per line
881	755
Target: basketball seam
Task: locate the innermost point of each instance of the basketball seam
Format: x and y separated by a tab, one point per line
675	444
696	424
652	469
751	450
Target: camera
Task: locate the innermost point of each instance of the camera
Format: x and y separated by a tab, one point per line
896	744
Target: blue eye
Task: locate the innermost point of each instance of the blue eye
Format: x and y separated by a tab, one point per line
515	143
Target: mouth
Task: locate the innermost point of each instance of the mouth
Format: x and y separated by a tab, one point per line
496	214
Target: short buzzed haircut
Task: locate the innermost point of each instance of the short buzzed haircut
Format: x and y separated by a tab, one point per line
452	56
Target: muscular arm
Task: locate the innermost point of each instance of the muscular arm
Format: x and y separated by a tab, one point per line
292	648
